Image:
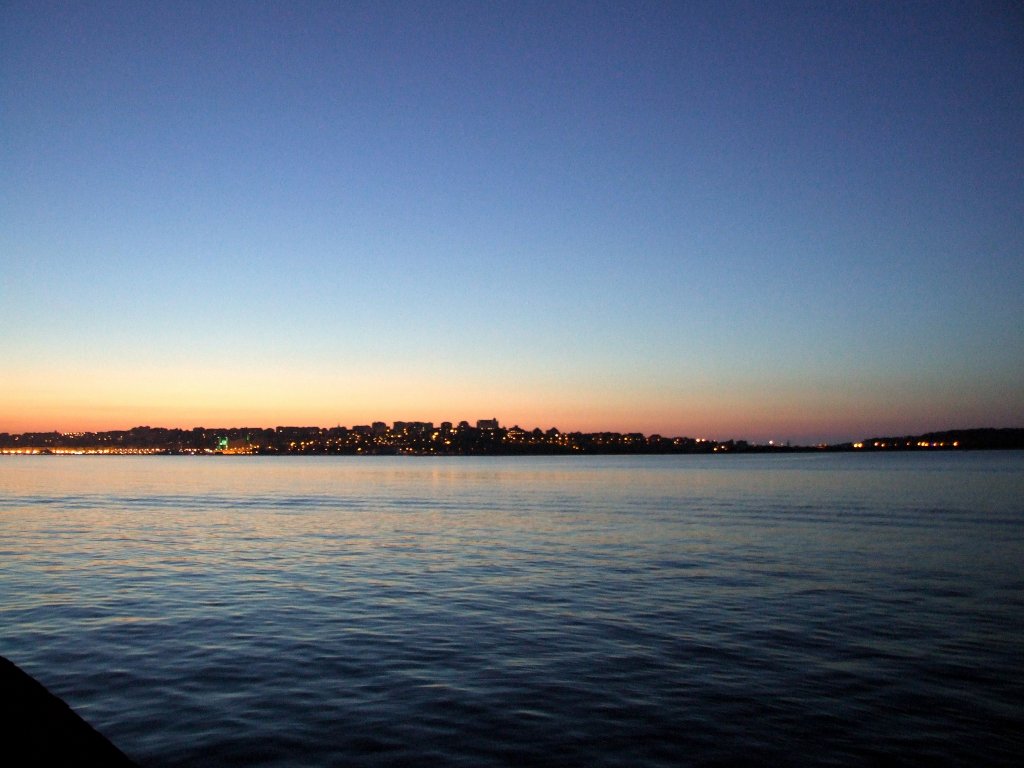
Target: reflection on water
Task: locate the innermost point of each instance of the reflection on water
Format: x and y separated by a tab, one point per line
494	611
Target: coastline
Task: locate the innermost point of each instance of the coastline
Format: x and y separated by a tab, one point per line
424	440
44	730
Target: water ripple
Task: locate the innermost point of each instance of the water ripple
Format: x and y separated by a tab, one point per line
493	613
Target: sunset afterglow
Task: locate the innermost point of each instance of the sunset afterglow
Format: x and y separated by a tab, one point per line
663	218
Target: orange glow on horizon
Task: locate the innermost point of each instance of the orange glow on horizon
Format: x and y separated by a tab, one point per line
87	400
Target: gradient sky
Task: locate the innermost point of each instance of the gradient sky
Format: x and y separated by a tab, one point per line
798	221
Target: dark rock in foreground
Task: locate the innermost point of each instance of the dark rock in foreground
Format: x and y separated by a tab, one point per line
38	728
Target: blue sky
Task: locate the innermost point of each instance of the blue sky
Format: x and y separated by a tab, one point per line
764	220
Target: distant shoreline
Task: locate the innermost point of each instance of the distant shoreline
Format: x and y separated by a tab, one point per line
423	439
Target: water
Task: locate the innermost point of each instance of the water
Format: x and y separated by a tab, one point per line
607	611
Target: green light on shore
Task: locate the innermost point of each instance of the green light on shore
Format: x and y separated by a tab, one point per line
222	443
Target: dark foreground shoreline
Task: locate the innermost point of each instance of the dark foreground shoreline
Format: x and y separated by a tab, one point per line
38	728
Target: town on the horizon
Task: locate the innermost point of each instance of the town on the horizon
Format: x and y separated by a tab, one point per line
423	438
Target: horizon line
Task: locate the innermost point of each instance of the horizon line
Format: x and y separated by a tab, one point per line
494	424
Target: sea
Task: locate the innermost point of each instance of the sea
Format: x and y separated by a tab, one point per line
789	609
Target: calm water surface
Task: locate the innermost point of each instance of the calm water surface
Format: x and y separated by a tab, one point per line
641	611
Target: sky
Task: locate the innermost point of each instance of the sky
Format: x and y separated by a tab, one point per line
751	220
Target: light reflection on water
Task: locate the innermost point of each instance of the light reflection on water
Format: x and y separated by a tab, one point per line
597	611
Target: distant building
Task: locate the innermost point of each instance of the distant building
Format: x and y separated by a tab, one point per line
487	424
